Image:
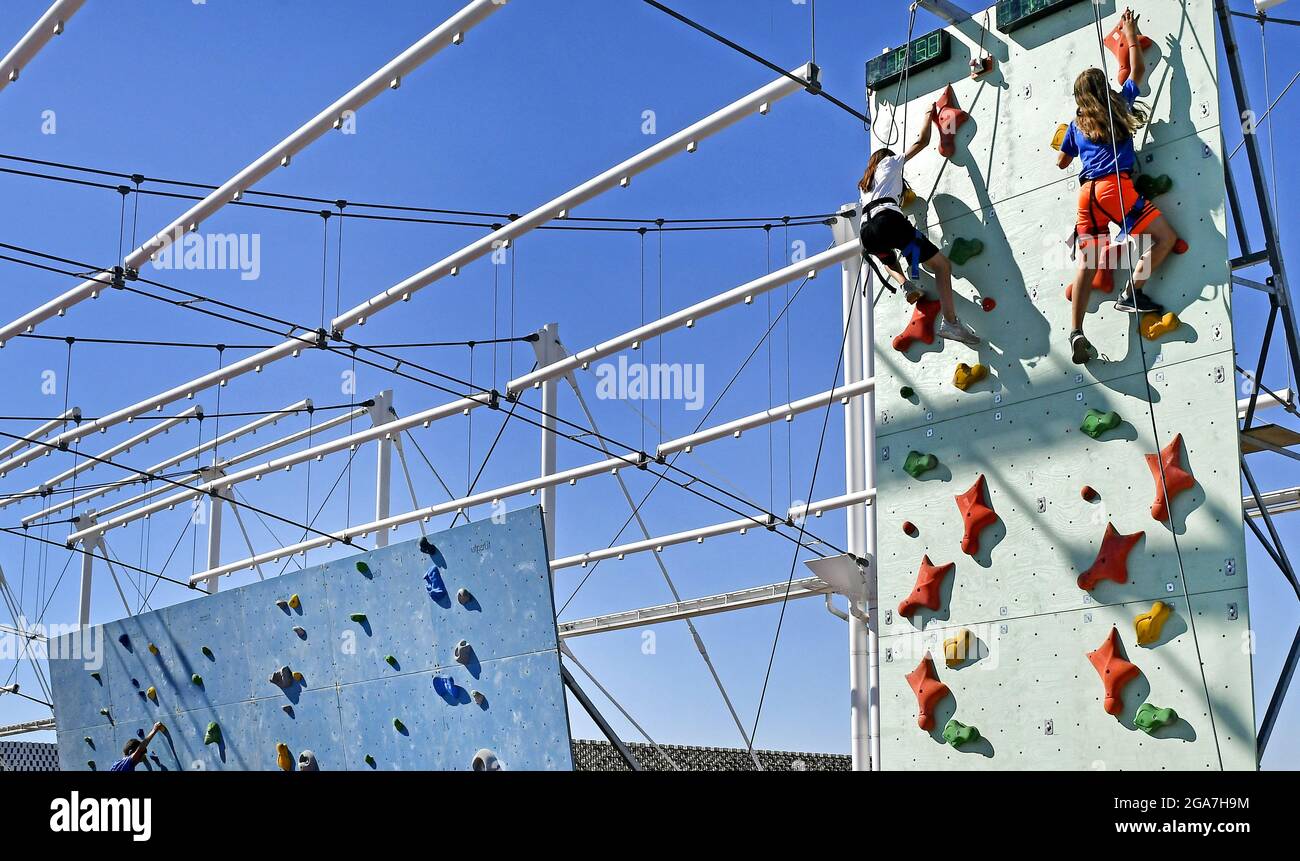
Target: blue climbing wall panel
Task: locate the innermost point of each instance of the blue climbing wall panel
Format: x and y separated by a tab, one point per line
344	706
1028	683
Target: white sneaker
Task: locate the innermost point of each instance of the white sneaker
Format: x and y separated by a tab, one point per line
956	331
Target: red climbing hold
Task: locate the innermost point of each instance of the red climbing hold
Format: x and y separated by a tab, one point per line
909	528
929	580
1177	479
1088	494
921	326
988	303
928	689
1112	559
976	514
1181	246
1115	672
1104	281
949	118
1119	46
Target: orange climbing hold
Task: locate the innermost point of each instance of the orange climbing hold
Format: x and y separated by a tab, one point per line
968	375
1115	672
929	582
976	515
949	118
1112	559
1153	326
958	648
1147	626
1176	481
1104	281
920	327
928	689
1118	44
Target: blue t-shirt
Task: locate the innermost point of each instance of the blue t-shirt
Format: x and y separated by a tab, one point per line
1099	158
125	764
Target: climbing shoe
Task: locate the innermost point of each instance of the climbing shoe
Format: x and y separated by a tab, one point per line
1080	348
1136	302
956	330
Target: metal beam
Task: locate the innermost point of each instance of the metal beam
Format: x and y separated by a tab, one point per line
39	725
690	608
47	26
70	415
450	32
685	141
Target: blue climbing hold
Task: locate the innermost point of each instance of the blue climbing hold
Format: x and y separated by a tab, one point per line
125	641
445	686
433	582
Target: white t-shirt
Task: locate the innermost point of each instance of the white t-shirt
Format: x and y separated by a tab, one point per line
889	183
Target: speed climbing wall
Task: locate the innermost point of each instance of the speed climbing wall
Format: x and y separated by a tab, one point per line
1023	542
414	656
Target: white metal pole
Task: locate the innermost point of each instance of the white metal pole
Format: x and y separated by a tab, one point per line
547	352
382	413
859	465
214	539
451	31
48	26
87	569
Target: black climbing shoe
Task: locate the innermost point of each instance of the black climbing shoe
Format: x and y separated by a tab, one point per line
1081	350
1137	302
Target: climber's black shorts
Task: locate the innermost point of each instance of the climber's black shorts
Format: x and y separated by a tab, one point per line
888	231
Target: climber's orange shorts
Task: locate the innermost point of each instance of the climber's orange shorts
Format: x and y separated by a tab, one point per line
1112	200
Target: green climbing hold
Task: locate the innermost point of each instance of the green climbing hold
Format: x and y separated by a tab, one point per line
359	618
918	464
906	392
391	661
363	568
207	653
398	725
197	679
1151	186
1096	423
212	735
957	733
964	249
370	760
1149	718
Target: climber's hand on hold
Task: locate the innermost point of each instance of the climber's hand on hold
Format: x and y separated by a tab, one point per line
1130	21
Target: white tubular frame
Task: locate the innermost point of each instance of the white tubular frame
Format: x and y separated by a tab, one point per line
758	101
87	464
228	437
690	608
731	527
73	414
450	32
48	26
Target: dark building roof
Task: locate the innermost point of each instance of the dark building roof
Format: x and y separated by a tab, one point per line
601	756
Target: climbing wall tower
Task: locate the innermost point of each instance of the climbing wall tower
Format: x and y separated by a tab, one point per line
437	654
1068	566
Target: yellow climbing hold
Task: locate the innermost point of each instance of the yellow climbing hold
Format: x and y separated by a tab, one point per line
152	693
1059	137
282	757
959	647
968	375
1149	624
1154	325
294	601
153	650
297	677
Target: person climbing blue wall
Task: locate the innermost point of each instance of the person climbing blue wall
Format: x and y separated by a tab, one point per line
134	750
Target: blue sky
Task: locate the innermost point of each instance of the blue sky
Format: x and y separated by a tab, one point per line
541	97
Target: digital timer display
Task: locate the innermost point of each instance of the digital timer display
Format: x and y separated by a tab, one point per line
922	53
1014	14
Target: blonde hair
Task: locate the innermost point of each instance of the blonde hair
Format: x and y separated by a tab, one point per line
1097	102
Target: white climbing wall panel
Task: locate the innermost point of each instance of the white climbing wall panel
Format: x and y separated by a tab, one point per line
1030	688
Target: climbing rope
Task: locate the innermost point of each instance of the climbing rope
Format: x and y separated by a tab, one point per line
902	89
1150	397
